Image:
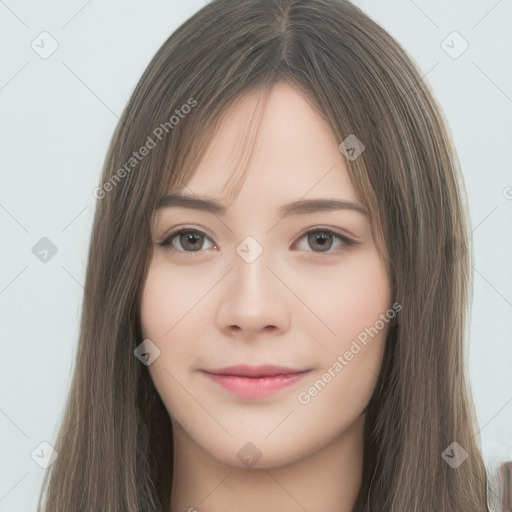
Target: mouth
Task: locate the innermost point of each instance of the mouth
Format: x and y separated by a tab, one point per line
255	381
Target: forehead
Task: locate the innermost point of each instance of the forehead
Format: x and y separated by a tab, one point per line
281	149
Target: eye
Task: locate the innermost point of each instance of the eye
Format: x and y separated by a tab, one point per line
190	240
321	240
325	239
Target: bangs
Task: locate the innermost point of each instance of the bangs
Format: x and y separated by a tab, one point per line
188	147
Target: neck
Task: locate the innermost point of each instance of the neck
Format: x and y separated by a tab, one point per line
329	479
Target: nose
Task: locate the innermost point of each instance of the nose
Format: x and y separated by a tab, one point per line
254	301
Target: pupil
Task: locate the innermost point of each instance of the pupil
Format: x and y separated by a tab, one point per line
192	238
322	239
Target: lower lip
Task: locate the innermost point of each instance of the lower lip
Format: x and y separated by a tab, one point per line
255	387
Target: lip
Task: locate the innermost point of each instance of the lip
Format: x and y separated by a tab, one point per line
255	381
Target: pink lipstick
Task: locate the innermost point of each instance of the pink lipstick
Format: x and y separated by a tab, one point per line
255	381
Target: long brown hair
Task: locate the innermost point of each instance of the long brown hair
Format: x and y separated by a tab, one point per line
114	446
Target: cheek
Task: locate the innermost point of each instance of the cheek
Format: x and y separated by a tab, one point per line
347	297
167	319
155	307
168	299
366	295
361	317
168	315
352	302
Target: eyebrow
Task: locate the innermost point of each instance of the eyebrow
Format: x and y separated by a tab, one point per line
299	207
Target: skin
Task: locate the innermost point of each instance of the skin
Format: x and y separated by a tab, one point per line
294	306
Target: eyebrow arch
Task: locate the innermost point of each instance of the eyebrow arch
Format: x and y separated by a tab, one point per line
303	206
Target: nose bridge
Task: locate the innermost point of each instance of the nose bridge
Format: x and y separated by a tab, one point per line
252	301
252	276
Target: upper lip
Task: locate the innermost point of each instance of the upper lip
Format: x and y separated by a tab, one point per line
264	370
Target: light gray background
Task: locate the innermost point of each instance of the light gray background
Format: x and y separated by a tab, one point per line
57	118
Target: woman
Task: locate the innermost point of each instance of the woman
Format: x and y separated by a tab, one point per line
309	354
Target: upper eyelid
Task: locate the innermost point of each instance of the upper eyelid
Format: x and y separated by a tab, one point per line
178	230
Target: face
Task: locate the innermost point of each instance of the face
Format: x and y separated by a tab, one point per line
271	325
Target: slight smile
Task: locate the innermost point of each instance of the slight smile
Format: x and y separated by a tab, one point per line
255	381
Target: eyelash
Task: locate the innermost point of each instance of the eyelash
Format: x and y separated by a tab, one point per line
167	242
